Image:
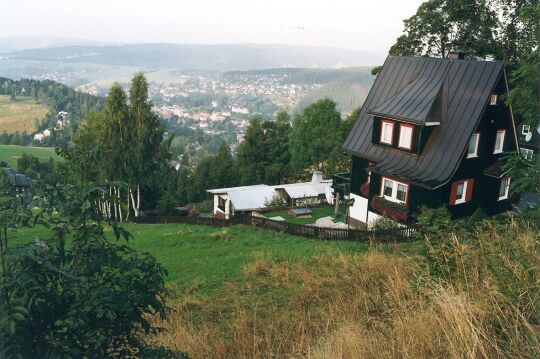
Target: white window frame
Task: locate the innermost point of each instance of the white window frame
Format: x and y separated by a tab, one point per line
475	154
393	197
493	99
526	153
402	127
390	125
463	198
499	150
526	130
506	181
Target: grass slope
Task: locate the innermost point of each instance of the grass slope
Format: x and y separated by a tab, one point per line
202	259
20	114
11	153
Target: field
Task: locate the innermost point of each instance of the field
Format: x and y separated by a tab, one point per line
20	115
243	292
10	153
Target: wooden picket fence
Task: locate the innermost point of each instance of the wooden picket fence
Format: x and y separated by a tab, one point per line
395	235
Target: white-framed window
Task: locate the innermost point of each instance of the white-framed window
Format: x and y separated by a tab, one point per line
473	145
394	191
493	99
405	136
499	141
526	153
504	189
461	191
526	129
387	132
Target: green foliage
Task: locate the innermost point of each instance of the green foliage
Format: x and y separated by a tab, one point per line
89	299
433	222
383	223
167	205
316	136
131	138
264	156
525	96
478	216
440	26
525	173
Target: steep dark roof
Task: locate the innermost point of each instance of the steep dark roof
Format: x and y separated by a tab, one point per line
464	92
417	99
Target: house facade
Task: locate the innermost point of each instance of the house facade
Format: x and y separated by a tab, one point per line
431	132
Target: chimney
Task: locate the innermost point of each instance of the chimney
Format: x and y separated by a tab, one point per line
456	55
317	177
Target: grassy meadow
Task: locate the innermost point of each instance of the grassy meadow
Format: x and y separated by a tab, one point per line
20	114
244	292
10	153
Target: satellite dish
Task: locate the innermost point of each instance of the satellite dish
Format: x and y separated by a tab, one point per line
528	136
538	129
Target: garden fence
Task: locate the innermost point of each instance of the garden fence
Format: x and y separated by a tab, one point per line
401	234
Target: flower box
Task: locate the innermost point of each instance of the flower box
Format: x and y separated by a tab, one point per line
396	211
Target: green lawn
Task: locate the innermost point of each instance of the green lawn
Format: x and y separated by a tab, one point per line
318	212
202	259
11	153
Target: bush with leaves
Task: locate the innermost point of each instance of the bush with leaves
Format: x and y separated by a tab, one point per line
90	298
434	222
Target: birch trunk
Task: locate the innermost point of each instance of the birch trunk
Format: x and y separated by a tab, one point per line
135	209
113	194
138	199
119	204
127	203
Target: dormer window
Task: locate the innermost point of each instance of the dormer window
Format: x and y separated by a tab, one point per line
405	136
493	100
499	141
387	132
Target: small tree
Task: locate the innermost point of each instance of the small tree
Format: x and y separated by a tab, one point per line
89	299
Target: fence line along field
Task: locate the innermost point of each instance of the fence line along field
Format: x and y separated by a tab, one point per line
20	114
10	153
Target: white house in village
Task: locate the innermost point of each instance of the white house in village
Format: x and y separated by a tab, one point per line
248	199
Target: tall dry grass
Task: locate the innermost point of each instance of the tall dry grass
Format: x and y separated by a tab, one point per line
476	296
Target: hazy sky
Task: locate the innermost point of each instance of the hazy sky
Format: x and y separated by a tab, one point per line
357	24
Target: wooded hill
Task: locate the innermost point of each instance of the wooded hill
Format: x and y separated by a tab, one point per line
56	96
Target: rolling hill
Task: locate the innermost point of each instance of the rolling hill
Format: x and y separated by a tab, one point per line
20	114
215	57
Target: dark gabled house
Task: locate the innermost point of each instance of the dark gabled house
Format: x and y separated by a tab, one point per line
431	132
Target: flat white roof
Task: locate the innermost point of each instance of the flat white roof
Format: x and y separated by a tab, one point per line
248	199
304	190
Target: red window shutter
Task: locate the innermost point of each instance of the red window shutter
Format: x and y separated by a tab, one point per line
453	192
470	185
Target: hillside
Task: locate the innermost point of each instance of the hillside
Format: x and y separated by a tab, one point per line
10	153
247	292
215	57
20	114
